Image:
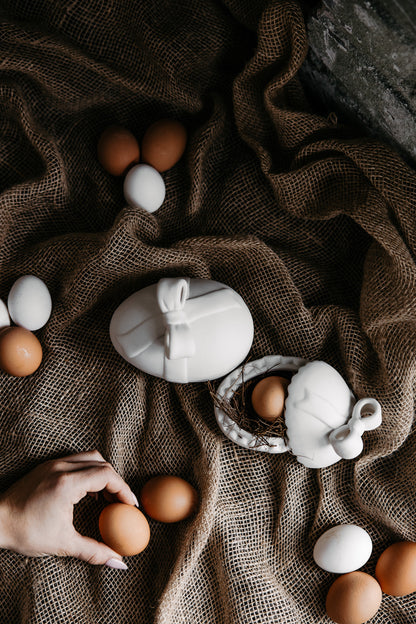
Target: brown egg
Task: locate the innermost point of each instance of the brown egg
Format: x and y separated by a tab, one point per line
117	149
268	397
124	528
353	598
163	144
168	498
396	569
20	351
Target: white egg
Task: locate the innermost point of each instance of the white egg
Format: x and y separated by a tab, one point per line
342	549
144	187
29	302
4	315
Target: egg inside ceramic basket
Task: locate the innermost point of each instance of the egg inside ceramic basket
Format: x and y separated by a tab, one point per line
234	410
279	403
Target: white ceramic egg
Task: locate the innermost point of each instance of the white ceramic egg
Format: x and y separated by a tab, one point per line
342	549
183	329
144	187
4	315
29	302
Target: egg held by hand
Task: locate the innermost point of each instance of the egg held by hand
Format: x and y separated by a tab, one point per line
124	528
20	351
168	498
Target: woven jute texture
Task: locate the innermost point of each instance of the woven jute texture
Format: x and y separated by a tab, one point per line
311	223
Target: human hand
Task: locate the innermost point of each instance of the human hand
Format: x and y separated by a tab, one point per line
36	512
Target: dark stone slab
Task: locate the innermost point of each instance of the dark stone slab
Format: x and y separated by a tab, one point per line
362	66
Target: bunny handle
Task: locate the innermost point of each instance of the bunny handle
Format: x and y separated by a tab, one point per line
347	439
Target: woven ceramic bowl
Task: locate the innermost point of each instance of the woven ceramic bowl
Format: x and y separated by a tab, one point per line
231	383
324	422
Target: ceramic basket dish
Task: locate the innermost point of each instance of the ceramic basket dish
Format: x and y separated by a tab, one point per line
324	422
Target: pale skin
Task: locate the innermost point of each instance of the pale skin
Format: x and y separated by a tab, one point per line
36	512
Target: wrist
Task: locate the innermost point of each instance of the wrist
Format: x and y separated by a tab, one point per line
5	525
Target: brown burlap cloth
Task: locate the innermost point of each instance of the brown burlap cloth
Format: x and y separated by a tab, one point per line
311	223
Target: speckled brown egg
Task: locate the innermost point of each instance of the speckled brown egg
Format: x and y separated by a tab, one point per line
396	569
268	397
163	144
168	498
20	351
117	150
124	528
353	598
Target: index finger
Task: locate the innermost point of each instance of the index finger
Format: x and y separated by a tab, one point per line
97	478
93	455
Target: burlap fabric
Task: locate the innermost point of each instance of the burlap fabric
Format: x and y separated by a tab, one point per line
313	225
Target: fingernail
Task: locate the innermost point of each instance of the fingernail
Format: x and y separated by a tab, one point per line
136	502
117	564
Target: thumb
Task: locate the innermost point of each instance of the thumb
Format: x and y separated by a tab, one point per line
96	553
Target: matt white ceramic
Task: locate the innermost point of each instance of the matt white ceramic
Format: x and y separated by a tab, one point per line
183	329
323	420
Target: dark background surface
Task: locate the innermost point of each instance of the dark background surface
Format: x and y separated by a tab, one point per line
361	65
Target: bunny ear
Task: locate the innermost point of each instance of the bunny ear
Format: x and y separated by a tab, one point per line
367	412
347	439
346	442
